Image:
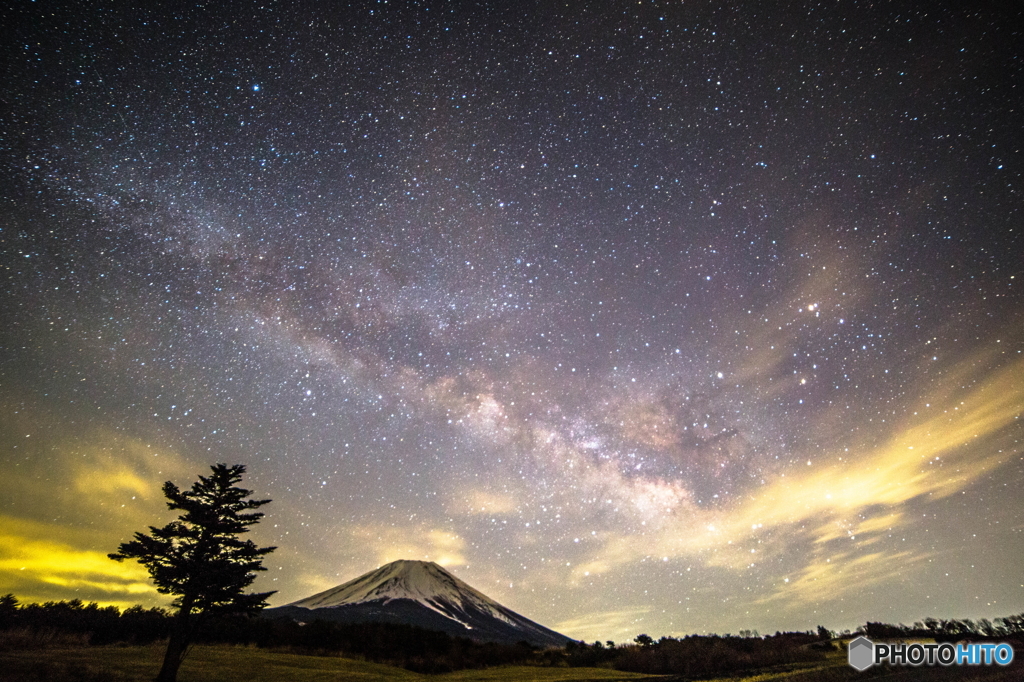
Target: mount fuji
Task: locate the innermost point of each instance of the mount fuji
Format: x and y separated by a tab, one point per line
423	594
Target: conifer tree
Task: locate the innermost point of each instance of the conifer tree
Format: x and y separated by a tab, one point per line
199	557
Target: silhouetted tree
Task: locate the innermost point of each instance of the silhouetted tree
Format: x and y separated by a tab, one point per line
1012	625
644	640
200	559
8	610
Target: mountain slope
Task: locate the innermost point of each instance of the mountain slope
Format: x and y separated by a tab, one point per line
420	593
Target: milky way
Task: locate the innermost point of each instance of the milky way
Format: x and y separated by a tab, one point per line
639	317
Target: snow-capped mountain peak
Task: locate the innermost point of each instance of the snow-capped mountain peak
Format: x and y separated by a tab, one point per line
407	591
421	581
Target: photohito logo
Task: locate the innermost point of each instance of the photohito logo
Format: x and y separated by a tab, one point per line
863	653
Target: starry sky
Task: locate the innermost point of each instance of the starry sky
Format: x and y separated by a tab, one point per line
660	317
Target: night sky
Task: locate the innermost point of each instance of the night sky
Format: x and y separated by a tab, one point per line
658	317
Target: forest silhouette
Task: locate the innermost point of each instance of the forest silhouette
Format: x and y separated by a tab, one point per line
75	623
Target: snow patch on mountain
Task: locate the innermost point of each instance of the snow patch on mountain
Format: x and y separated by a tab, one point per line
421	594
423	582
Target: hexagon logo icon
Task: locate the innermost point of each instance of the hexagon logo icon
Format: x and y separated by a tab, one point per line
861	653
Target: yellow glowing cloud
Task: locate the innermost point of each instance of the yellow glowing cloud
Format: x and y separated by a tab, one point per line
906	467
391	543
72	502
839	575
843	528
857	498
617	624
104	480
615	551
108	477
38	567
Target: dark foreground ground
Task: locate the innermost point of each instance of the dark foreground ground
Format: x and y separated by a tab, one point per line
249	664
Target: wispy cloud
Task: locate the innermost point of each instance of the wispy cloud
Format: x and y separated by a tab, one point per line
617	624
412	542
76	499
839	574
41	562
859	497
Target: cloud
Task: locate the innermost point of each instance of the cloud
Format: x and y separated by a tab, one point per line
72	498
841	528
41	562
391	543
616	550
858	497
617	624
840	574
101	478
937	456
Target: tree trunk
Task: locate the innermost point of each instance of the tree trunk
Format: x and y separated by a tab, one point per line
177	644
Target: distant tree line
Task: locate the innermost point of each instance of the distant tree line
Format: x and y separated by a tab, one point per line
952	630
74	623
700	655
77	623
71	621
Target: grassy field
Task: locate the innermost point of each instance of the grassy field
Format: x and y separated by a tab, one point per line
245	664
